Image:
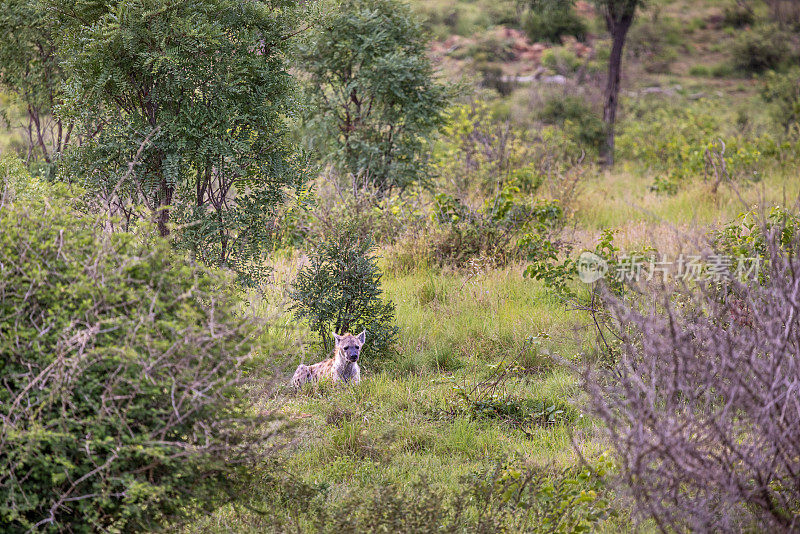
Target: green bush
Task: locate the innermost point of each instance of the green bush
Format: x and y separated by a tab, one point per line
561	60
749	234
479	149
492	48
463	235
722	70
673	142
699	70
550	22
762	48
653	41
578	118
121	363
782	93
340	291
738	15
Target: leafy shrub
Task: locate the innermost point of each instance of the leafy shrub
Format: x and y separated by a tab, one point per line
653	41
121	365
782	92
477	148
490	232
492	48
722	70
340	290
702	408
748	235
558	272
367	211
738	15
762	48
674	142
552	21
561	60
578	118
699	70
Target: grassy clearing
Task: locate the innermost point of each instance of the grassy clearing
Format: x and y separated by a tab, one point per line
406	421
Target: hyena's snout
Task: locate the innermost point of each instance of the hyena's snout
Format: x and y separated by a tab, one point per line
351	353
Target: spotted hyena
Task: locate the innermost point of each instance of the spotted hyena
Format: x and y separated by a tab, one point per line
342	366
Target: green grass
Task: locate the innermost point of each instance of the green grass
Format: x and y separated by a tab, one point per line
624	198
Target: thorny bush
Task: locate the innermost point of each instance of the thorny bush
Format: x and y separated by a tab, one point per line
702	407
120	362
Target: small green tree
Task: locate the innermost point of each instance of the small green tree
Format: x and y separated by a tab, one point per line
123	362
30	69
375	99
340	291
206	82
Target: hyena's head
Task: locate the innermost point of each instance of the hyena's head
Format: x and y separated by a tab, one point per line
349	346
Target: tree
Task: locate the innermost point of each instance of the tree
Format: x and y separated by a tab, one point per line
206	83
619	16
375	99
30	68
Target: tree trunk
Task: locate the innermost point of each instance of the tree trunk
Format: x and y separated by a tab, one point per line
618	27
164	201
162	217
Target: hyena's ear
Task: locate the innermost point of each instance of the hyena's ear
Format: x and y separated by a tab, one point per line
362	337
336	337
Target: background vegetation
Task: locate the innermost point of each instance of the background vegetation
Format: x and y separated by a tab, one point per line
195	193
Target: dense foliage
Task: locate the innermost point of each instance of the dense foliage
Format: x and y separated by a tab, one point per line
121	363
375	98
187	104
762	48
782	93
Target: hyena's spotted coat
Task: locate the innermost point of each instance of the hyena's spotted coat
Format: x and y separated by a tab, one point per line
342	367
